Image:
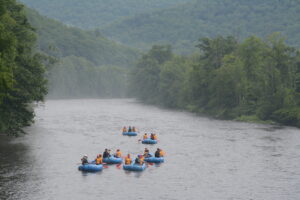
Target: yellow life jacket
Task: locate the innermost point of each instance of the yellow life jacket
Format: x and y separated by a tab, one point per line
162	153
145	137
142	160
127	161
118	154
155	137
99	161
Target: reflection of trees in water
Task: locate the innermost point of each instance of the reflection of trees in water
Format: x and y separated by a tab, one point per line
14	167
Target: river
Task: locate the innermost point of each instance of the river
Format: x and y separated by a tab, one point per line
205	158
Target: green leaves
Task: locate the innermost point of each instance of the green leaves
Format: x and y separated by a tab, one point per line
228	79
21	72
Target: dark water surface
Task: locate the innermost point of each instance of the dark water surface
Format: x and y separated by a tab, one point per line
206	159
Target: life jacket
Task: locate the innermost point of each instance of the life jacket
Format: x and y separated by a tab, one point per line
154	137
99	161
118	154
141	160
133	129
127	161
145	137
124	129
161	153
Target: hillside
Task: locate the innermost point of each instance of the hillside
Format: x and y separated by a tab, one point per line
183	25
89	65
96	13
59	40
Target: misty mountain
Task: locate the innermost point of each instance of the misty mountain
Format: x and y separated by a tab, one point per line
96	13
183	25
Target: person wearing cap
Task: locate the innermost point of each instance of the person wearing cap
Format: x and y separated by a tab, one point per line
118	153
128	160
139	159
84	160
99	159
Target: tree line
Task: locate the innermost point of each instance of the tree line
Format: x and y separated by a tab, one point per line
21	70
250	80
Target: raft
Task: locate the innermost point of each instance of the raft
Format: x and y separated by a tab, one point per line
90	168
149	141
112	160
130	133
155	159
134	167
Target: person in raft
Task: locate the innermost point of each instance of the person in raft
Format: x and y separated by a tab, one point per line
128	160
84	160
118	154
145	136
124	129
133	129
129	129
139	160
159	153
106	153
99	160
153	136
146	153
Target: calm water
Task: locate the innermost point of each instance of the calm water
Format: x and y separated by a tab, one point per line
206	159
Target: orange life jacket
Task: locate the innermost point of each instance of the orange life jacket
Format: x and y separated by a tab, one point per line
155	137
127	161
145	137
118	154
124	129
161	153
99	161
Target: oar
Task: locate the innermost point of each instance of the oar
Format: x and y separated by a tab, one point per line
118	166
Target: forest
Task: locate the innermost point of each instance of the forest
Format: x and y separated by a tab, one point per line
184	24
253	80
22	79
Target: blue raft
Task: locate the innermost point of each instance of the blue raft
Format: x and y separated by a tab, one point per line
134	167
149	141
90	168
112	160
155	159
130	133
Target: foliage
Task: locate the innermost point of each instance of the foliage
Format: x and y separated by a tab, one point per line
182	25
254	80
21	71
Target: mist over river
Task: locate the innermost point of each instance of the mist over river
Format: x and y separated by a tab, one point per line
205	158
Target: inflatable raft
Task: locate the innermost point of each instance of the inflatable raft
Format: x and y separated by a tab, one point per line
112	160
155	159
90	168
149	141
130	133
134	167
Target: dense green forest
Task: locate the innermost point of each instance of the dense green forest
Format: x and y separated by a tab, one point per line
81	58
96	13
21	71
250	80
183	25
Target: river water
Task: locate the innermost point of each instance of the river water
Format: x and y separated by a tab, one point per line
205	158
